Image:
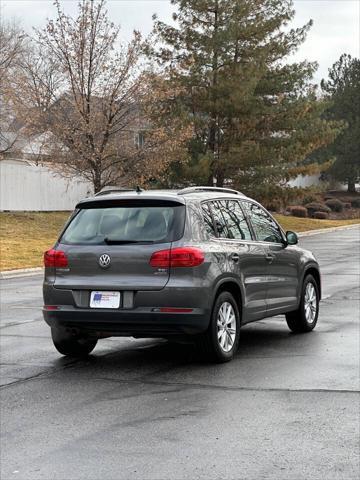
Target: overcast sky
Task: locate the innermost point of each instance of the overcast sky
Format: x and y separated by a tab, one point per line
335	30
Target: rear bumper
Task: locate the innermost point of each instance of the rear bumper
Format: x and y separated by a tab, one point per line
139	314
141	323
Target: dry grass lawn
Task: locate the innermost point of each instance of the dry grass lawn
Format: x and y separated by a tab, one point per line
305	224
24	236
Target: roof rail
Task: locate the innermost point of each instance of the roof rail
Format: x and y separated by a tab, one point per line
109	190
184	191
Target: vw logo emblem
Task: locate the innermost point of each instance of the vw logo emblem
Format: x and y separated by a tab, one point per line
104	261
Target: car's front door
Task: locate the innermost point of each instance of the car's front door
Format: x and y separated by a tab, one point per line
282	274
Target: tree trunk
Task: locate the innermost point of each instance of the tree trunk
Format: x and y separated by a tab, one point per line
220	179
351	187
210	180
213	141
97	182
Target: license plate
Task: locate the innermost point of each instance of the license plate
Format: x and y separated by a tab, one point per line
105	300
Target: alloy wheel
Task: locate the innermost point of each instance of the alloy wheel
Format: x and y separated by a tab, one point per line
226	326
310	303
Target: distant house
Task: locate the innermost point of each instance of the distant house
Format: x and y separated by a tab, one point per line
28	181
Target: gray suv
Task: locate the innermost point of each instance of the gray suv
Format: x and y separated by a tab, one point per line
196	263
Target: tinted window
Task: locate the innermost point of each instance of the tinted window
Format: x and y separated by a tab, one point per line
219	219
236	223
209	224
147	224
264	226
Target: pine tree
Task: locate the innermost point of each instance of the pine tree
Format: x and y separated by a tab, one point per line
343	89
255	117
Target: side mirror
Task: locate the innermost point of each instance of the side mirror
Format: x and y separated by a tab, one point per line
291	238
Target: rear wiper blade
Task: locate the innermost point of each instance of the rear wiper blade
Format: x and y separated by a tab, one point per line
115	241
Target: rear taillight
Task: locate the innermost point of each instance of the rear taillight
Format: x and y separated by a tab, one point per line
177	257
55	258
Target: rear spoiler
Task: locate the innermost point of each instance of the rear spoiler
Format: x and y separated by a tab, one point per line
130	201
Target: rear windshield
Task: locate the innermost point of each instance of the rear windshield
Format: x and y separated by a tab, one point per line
126	224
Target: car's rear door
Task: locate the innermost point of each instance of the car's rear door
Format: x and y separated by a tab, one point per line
109	245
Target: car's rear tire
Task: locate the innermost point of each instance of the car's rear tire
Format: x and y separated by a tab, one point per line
305	318
71	345
221	340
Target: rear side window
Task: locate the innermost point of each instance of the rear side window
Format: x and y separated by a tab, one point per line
219	219
208	221
128	224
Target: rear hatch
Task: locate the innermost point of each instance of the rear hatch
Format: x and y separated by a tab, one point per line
108	244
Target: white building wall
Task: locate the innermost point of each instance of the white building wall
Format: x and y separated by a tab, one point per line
303	181
24	186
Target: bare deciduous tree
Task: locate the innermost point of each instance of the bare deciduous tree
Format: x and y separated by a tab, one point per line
11	50
11	46
85	91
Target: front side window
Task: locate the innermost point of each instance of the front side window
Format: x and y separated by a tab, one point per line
265	228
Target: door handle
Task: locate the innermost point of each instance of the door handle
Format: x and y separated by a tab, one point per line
270	257
235	257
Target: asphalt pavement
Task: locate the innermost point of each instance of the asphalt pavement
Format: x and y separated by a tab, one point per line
287	407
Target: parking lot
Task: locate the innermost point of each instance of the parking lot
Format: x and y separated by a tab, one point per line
286	408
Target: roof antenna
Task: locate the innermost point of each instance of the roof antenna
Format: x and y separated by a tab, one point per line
138	189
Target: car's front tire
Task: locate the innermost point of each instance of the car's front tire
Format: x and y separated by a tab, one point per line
305	318
70	345
221	340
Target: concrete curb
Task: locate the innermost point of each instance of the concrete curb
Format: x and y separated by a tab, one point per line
21	272
309	233
27	272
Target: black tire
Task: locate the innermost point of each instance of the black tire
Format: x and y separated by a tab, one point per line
209	343
71	345
297	320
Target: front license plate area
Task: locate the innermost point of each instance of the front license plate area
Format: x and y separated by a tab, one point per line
105	299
